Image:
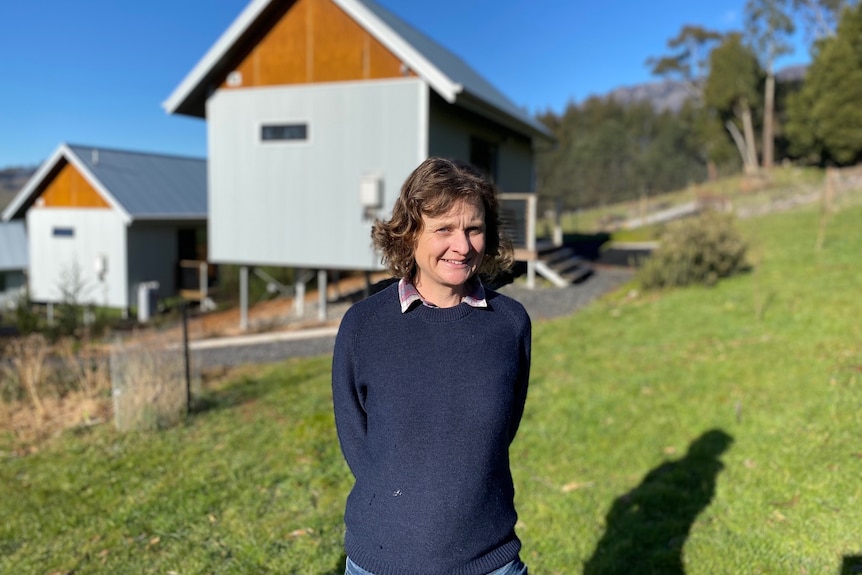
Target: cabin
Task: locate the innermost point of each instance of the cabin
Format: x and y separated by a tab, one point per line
13	263
318	110
101	223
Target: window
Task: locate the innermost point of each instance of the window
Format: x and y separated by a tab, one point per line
483	155
281	132
64	232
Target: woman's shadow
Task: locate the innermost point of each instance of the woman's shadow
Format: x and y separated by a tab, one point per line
648	526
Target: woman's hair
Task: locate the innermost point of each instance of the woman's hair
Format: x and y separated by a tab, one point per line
433	188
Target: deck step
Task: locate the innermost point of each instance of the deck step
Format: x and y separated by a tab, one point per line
562	266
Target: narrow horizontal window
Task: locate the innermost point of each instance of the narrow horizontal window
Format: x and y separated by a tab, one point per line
64	232
280	132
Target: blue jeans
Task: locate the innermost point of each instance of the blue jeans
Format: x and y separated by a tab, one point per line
513	568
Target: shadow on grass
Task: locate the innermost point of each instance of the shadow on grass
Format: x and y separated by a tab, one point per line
648	526
243	390
852	565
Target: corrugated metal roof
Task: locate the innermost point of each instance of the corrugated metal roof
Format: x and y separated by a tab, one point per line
149	186
13	246
453	66
139	185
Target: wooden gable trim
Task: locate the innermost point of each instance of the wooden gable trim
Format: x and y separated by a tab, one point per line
70	189
314	41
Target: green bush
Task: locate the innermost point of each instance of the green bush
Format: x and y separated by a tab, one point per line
698	250
26	319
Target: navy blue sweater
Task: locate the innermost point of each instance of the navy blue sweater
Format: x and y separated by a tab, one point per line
426	405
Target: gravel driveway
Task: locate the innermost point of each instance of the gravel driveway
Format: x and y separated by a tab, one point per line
541	303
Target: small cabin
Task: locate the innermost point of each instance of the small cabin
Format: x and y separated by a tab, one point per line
101	222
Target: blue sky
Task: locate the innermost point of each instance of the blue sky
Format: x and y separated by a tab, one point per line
96	72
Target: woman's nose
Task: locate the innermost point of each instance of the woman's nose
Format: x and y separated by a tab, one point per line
461	242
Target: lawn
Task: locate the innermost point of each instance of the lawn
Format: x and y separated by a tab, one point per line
698	431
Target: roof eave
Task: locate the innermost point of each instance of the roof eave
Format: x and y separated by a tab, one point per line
19	205
192	217
480	106
189	97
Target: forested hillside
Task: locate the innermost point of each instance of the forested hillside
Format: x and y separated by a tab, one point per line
718	107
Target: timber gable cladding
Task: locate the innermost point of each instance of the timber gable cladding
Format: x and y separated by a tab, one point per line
70	189
314	41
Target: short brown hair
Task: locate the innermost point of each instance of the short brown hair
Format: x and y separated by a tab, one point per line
431	190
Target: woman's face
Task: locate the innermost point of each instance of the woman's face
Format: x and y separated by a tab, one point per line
449	250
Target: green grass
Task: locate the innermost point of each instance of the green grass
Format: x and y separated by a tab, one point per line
698	431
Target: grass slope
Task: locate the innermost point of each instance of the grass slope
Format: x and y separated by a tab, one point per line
696	431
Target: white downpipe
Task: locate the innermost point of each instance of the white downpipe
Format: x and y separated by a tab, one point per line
243	298
321	295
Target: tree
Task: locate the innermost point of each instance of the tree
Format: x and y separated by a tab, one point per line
821	16
608	151
731	88
769	27
825	116
690	58
689	62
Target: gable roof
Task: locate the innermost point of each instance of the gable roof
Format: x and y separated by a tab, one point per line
447	74
13	246
140	186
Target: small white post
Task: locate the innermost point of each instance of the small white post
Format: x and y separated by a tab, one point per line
243	298
204	280
321	295
558	223
299	294
531	241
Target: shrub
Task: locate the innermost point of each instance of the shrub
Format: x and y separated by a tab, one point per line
149	385
26	363
26	320
698	250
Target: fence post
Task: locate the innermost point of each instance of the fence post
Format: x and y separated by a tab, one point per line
187	363
531	241
321	295
558	222
243	298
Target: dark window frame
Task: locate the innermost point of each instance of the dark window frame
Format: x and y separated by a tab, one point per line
288	132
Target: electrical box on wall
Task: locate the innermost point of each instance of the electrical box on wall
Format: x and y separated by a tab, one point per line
100	266
371	191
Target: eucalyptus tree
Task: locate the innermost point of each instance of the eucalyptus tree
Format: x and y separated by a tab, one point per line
821	16
732	87
769	25
688	61
689	58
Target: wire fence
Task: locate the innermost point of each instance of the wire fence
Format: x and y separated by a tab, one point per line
154	380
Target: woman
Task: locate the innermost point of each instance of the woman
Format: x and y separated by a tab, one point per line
429	379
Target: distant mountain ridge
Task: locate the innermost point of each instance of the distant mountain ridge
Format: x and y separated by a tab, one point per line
11	182
672	94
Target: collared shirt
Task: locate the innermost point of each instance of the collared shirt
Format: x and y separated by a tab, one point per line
408	295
